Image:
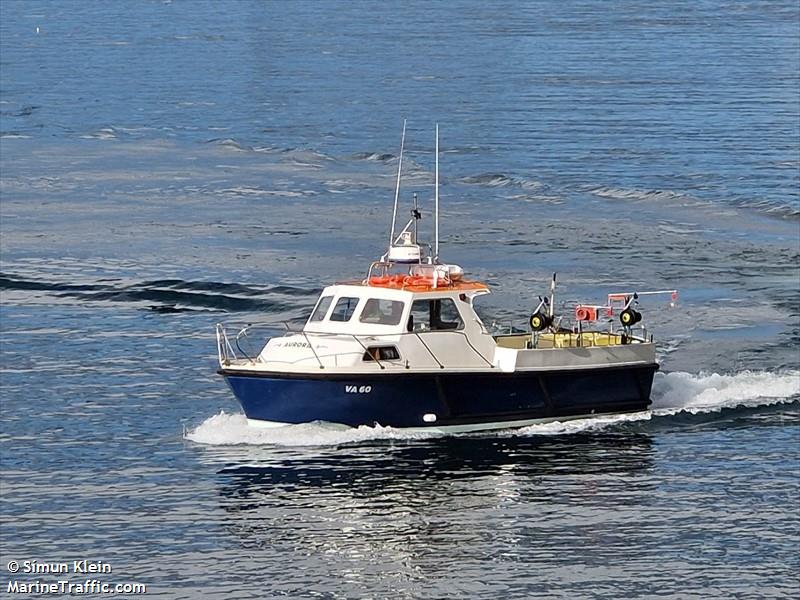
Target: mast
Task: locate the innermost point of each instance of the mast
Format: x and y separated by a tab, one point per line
417	216
397	188
436	200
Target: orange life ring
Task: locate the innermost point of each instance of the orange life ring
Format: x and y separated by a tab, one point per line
379	280
417	280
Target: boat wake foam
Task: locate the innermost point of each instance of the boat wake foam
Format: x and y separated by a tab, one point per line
678	392
673	393
230	429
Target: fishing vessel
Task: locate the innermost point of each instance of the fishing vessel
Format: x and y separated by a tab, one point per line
403	346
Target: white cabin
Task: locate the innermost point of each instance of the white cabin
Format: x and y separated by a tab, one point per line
387	326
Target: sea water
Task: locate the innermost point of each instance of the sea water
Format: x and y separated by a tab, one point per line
168	165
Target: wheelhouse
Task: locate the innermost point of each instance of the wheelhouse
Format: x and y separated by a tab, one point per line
358	309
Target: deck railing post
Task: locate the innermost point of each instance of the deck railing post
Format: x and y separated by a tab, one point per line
375	358
441	366
310	345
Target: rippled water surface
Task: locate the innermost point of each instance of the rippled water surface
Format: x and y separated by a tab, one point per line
168	165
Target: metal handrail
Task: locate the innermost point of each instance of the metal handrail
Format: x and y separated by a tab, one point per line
311	346
375	358
242	332
416	333
227	353
474	349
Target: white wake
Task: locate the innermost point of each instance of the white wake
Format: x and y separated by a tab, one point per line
227	429
682	392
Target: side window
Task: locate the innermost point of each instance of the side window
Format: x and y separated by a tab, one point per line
434	315
382	312
322	308
344	309
420	318
448	316
478	318
381	353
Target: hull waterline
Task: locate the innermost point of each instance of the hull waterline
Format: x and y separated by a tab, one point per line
441	401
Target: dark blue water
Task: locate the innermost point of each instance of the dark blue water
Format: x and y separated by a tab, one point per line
168	165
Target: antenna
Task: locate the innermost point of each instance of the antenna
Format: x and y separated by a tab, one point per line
417	216
397	189
436	196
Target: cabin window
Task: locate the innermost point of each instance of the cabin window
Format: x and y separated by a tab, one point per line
382	312
322	308
381	353
344	309
438	314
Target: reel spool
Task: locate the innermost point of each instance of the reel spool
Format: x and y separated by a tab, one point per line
540	321
630	317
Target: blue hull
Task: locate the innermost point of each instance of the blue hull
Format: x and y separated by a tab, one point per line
457	399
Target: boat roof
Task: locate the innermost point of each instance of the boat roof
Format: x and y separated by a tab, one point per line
419	285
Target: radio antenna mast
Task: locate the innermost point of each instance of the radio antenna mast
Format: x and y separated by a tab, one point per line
397	188
436	200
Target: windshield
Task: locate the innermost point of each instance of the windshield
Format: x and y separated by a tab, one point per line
322	308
